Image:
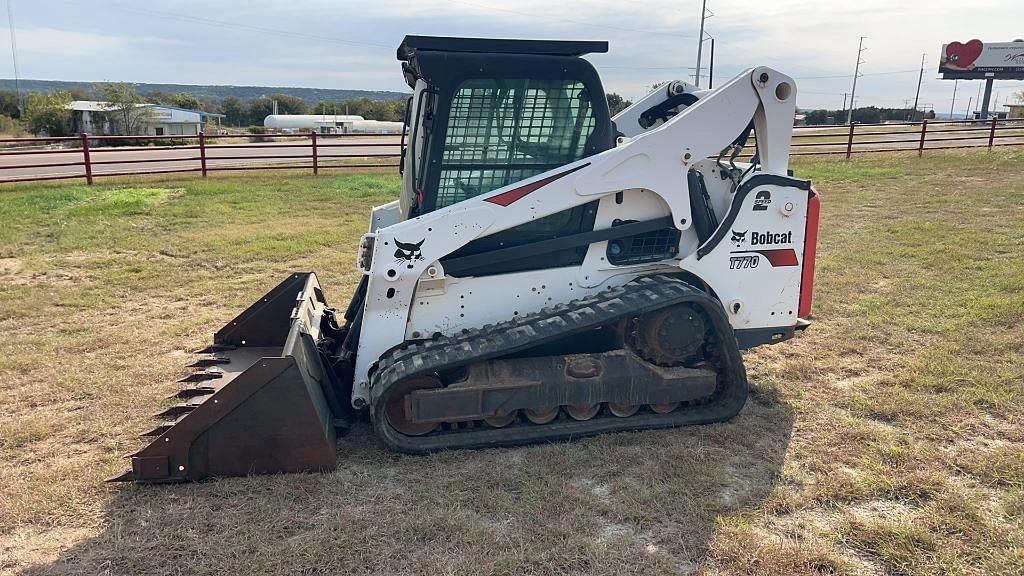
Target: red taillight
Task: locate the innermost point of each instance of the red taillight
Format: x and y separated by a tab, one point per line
810	250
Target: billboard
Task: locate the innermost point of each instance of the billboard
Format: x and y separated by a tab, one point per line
979	60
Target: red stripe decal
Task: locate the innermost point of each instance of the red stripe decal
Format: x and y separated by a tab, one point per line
810	252
780	257
506	198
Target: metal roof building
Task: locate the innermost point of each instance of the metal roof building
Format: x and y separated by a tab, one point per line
162	120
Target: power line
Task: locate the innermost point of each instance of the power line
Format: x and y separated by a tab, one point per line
847	75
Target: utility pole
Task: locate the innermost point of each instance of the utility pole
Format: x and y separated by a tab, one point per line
856	73
920	77
14	55
845	94
956	82
700	41
711	66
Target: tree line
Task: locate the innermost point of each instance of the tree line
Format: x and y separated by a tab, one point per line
48	112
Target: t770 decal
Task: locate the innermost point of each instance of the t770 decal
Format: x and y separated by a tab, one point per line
778	258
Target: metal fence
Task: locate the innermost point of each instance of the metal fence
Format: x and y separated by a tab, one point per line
91	157
906	137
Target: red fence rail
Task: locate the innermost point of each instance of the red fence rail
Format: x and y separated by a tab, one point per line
91	157
906	137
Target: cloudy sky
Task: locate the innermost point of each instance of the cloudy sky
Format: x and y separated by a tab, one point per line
343	44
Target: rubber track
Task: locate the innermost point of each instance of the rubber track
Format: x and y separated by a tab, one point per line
496	340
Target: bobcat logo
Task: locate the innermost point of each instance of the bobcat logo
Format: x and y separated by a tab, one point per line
408	253
738	238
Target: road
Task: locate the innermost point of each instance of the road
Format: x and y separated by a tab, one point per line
225	153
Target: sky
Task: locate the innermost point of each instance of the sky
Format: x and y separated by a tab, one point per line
351	45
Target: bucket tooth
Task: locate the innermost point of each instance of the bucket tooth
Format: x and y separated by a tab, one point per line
189	393
125	477
206	362
203	376
158	431
215	348
175	411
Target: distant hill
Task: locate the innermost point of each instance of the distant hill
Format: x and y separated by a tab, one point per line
310	95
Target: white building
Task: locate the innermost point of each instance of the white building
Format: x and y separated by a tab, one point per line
100	118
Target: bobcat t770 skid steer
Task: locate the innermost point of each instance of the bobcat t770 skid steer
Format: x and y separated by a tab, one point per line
549	272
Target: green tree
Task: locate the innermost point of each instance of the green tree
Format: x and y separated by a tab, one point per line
179	99
326	107
184	100
290	104
9	104
234	111
260	108
257	110
369	109
617	103
157	97
80	94
48	113
128	108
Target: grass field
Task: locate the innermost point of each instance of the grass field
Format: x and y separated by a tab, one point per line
888	439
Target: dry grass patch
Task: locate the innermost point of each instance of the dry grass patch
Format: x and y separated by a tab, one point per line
886	440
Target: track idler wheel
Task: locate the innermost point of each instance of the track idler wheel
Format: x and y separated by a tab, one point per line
396	412
541	415
583	412
623	410
501	420
664	408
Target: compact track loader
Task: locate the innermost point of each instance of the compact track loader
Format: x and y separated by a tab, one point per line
549	272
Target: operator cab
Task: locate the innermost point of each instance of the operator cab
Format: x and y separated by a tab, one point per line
489	112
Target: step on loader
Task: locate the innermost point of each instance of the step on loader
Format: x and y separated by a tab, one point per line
548	272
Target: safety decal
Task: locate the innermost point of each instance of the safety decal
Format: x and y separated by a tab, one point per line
778	258
761	200
506	198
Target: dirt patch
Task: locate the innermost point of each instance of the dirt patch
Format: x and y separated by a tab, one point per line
50	277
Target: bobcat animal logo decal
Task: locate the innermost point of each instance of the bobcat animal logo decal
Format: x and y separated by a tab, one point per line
738	238
407	252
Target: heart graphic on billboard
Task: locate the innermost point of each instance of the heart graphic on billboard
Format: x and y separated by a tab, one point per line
963	55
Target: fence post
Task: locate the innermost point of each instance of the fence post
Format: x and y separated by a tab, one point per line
316	167
202	152
924	130
86	160
849	141
992	133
